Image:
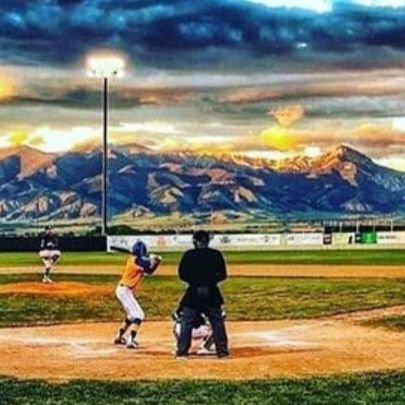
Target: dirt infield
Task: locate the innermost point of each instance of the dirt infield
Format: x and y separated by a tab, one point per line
258	350
264	270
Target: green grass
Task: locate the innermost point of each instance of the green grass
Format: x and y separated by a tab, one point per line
395	322
356	389
343	257
247	298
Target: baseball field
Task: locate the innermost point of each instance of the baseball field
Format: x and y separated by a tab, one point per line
310	327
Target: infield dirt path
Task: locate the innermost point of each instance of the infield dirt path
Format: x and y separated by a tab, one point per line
269	270
258	350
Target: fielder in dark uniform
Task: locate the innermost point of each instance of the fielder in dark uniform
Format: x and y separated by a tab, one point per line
49	252
202	268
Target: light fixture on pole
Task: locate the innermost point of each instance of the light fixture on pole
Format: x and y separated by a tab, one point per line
105	66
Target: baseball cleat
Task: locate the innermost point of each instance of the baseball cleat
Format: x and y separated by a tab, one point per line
120	341
181	357
132	344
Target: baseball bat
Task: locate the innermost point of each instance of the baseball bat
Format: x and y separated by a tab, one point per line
121	249
125	250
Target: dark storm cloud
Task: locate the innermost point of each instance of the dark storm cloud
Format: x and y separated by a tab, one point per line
184	33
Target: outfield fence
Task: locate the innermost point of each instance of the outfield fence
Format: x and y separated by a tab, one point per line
292	241
287	241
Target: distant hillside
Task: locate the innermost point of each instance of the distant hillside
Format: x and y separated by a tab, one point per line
35	185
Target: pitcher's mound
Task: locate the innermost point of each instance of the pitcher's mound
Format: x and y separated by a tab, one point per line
61	288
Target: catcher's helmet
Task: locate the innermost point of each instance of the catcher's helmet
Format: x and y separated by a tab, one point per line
201	239
139	249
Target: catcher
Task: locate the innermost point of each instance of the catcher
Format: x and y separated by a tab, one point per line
139	264
49	252
201	334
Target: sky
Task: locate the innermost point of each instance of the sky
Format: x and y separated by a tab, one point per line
265	78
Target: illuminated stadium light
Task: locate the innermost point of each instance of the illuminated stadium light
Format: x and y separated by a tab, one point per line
105	66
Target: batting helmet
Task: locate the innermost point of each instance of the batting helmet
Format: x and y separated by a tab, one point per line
139	249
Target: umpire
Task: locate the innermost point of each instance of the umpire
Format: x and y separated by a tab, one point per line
202	268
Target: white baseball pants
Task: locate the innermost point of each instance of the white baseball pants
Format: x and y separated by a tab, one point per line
129	302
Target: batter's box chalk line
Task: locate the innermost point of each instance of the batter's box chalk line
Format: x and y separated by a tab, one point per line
281	337
89	350
75	346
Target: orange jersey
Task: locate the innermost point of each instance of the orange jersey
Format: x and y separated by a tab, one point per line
132	275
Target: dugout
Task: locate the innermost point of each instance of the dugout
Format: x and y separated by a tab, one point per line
66	243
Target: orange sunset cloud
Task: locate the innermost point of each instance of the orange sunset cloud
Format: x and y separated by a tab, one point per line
288	115
7	88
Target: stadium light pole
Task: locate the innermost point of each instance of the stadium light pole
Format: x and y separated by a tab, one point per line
105	67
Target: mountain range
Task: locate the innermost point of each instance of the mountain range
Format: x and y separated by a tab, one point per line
47	187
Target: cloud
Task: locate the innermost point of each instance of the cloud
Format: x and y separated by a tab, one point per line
50	139
287	115
379	137
336	95
66	94
6	91
320	6
380	141
8	87
394	162
18	138
206	33
279	138
297	86
246	95
154	127
57	140
398	124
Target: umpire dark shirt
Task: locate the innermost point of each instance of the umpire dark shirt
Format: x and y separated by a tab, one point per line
202	269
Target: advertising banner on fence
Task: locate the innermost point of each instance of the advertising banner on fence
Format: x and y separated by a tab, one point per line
246	240
159	242
183	242
302	239
368	238
391	238
343	238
